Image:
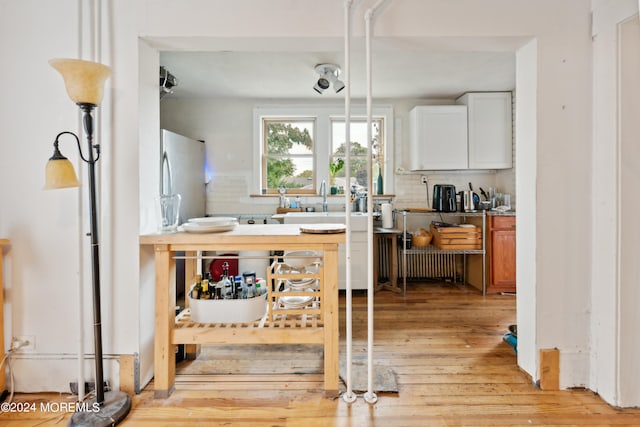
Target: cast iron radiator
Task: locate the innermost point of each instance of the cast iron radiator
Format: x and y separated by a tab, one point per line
420	265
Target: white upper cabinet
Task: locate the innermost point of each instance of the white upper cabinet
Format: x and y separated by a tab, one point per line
438	137
474	134
489	124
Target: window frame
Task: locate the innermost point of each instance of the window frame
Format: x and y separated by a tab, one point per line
362	120
323	115
265	156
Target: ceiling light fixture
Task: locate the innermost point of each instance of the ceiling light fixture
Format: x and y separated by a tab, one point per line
328	74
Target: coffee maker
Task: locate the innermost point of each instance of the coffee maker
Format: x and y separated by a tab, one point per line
444	198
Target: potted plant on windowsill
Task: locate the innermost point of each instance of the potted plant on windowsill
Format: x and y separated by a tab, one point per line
334	167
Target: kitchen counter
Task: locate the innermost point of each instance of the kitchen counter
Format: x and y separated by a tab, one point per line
320	327
244	236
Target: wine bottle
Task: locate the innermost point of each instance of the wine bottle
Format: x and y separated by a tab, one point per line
206	293
197	289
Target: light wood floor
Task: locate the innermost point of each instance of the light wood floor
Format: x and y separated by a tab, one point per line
445	344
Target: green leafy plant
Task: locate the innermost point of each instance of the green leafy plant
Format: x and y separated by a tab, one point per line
335	167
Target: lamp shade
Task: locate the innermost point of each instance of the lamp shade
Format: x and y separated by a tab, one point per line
60	173
84	80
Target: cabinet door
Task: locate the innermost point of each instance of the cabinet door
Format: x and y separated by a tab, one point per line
490	130
359	264
503	258
438	137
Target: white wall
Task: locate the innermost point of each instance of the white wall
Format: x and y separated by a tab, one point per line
526	164
149	175
227	127
47	288
42	243
630	181
616	347
629	318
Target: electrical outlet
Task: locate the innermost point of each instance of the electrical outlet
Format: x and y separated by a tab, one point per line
25	342
423	179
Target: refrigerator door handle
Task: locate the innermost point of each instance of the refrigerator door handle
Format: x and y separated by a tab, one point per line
167	178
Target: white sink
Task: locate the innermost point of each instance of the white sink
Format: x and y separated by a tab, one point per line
358	219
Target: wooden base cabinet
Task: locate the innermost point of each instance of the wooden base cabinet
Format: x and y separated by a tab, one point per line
500	259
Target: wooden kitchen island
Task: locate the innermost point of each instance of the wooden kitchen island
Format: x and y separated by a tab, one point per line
318	325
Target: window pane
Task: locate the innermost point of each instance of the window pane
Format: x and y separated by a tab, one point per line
358	136
290	172
288	158
289	138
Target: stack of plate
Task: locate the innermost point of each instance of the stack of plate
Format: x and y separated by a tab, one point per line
300	260
296	301
300	284
302	263
212	224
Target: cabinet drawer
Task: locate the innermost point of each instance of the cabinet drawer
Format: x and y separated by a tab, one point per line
503	222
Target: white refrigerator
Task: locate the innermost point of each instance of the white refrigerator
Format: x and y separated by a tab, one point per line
182	171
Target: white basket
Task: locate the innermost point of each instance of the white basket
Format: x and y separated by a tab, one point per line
228	310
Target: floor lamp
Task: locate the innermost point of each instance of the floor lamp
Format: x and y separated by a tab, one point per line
84	81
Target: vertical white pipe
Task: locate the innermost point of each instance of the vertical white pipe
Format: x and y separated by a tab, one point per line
81	390
370	396
349	396
89	47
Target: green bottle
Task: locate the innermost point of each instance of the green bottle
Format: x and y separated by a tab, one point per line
197	289
379	186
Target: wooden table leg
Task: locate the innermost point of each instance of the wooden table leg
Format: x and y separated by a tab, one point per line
330	318
191	269
165	302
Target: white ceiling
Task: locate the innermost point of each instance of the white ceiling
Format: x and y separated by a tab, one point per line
442	69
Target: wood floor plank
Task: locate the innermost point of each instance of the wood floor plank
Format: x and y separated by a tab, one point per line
444	342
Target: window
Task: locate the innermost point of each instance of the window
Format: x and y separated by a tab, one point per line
298	143
358	135
288	155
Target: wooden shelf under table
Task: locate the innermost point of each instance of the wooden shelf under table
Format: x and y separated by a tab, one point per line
292	328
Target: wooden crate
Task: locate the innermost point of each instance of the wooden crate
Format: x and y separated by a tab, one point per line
457	238
287	210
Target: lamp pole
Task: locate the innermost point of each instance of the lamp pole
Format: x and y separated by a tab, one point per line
87	120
